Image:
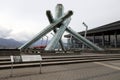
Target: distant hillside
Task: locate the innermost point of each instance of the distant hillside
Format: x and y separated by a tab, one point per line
9	43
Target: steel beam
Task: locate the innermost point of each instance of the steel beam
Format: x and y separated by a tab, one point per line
83	40
51	20
58	35
59	11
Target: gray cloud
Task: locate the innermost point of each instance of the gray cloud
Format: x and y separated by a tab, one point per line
30	15
5	32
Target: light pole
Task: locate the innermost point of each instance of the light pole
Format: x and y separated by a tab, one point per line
46	40
85	33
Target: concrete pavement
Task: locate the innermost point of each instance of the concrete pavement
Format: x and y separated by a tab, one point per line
79	71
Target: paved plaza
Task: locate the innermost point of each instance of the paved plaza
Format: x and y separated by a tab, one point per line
108	70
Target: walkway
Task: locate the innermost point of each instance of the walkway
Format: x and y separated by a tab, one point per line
80	71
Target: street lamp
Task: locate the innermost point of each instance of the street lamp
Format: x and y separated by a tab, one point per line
85	33
47	39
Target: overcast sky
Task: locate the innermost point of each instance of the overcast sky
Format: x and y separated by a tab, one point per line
22	19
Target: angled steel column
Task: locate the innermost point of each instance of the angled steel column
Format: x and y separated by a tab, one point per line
51	20
39	35
59	11
84	40
58	35
45	31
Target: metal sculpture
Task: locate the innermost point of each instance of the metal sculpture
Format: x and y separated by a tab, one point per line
59	26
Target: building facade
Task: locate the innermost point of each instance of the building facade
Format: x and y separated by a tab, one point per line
106	36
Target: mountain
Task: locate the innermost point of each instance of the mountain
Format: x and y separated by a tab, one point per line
9	43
